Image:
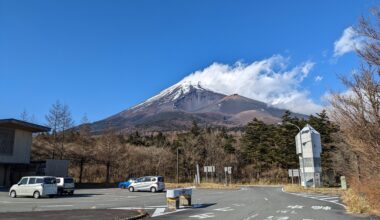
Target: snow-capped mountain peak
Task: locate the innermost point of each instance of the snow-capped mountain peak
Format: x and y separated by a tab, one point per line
172	93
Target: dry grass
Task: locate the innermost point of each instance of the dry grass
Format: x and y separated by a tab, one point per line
355	202
208	185
298	188
364	197
202	185
364	202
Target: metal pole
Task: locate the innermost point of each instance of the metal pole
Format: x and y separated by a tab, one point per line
292	175
225	176
301	146
177	168
303	159
198	177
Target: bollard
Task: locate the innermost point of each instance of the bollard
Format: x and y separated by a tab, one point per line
173	203
178	197
343	182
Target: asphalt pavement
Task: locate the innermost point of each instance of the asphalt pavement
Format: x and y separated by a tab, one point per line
247	203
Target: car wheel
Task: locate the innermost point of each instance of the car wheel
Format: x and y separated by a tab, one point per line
153	189
131	189
36	194
51	196
13	194
71	193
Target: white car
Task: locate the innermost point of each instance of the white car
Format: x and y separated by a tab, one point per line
148	183
35	186
65	185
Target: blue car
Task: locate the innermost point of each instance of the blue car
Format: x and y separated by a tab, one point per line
125	184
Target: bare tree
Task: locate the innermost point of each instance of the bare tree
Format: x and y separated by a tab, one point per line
24	115
109	150
358	110
59	119
84	152
66	123
53	119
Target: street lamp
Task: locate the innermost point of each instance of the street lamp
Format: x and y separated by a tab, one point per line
301	154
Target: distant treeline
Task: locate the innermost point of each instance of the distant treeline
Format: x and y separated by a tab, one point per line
261	152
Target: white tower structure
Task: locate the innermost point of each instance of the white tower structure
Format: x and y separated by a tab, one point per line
310	156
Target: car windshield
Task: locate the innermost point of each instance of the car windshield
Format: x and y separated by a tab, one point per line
49	180
69	180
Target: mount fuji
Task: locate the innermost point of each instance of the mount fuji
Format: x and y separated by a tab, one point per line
175	109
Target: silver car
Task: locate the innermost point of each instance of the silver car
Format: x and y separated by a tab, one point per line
148	183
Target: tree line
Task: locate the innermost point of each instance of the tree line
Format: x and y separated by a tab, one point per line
258	152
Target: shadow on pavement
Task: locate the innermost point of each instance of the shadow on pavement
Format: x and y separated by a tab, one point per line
83	214
80	195
203	205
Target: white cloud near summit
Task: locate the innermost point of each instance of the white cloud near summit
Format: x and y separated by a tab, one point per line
269	80
349	41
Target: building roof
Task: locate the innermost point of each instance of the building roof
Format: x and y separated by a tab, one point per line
309	128
23	125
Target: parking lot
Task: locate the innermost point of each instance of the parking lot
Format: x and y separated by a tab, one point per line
245	203
82	199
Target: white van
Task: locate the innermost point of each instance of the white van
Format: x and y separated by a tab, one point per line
35	186
148	183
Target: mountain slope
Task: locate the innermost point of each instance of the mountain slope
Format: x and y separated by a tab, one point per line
178	106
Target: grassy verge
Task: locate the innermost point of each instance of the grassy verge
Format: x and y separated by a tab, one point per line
324	190
202	185
355	202
218	185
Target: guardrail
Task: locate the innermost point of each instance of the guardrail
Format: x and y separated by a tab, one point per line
178	197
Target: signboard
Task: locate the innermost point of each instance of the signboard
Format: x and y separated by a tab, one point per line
209	169
294	173
228	170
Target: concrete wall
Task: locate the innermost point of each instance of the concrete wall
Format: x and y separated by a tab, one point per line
4	175
21	148
57	168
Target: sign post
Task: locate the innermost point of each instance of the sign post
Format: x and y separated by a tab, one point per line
294	173
209	169
228	170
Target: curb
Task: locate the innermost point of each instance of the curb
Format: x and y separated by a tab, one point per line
141	215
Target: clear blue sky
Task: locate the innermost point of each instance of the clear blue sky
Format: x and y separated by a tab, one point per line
101	57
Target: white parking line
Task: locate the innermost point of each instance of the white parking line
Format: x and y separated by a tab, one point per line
224	209
251	217
54	206
204	215
158	212
314	196
132	208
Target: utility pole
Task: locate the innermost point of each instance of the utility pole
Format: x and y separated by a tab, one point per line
198	176
177	166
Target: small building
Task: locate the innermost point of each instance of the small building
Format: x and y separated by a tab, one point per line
310	154
15	149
